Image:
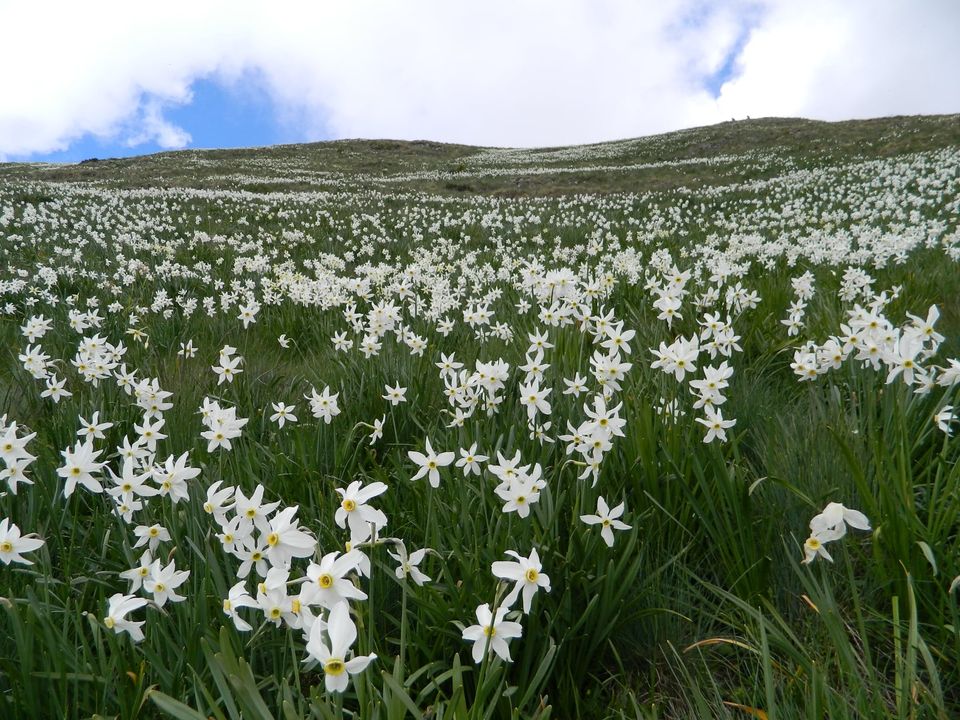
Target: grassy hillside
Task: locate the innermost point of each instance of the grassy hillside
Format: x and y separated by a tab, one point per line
715	155
723	331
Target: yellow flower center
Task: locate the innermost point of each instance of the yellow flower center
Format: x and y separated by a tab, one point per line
275	613
531	575
272	539
348	505
109	622
334	666
6	546
154	532
489	631
325	581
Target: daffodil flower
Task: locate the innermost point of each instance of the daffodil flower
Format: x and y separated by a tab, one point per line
332	651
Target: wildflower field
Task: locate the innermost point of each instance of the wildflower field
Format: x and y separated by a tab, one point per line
659	428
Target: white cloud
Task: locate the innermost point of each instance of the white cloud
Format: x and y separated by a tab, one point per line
523	72
860	58
150	125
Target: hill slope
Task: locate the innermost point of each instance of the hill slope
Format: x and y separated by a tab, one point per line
714	155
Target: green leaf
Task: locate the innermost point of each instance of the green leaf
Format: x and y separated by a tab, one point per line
401	694
174	708
928	554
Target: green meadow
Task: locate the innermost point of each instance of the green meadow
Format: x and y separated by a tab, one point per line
710	374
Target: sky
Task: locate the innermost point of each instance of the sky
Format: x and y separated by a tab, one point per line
107	79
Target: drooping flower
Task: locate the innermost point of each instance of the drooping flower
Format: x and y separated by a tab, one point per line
119	606
238	598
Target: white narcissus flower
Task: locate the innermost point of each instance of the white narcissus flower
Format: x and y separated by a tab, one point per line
252	552
237	599
13	544
172	477
136	575
283	413
377	429
408	565
608	519
327	582
324	405
151	536
520	493
430	464
285	540
812	547
130	483
219	501
526	573
534	399
78	467
341	633
715	424
272	599
94	428
363	520
248	313
944	418
149	434
163	582
470	460
13	448
119	606
831	524
14	473
395	395
253	510
491	633
228	368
